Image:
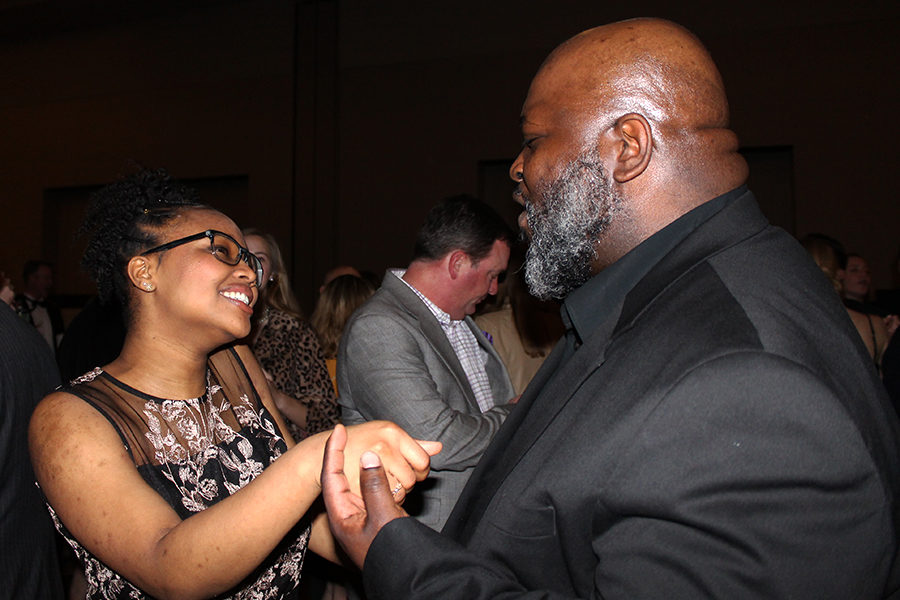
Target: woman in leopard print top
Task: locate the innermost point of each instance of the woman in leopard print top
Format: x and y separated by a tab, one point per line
288	348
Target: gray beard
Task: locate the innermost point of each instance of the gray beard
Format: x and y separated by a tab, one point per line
575	211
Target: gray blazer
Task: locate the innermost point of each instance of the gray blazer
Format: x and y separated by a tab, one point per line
396	363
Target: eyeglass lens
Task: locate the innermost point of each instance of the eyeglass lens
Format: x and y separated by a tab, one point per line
228	251
225	249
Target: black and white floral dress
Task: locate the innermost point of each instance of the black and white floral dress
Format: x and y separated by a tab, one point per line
194	453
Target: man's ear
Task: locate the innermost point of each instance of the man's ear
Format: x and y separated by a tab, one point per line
140	273
635	141
455	262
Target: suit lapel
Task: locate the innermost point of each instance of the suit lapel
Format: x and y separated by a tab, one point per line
732	225
432	332
559	379
501	385
548	393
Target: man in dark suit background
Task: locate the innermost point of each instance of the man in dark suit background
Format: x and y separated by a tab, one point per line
35	305
710	426
29	567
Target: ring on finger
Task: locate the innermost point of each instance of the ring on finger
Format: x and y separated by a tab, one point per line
396	489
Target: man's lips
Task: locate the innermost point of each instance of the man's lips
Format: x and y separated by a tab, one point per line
519	195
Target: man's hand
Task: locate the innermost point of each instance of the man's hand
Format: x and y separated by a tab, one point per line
356	521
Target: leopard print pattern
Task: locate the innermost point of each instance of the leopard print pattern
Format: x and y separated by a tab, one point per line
288	349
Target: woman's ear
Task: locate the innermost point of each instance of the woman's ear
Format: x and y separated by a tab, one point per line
635	139
140	273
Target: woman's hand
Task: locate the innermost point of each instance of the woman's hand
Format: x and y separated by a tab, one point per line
356	517
405	460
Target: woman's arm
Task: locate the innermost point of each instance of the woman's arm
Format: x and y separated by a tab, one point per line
292	408
320	541
310	382
91	482
269	393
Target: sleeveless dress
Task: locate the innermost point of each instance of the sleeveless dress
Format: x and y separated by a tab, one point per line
194	453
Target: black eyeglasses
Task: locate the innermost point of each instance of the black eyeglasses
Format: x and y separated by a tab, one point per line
222	246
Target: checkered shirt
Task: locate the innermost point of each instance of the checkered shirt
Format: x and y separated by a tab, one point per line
471	355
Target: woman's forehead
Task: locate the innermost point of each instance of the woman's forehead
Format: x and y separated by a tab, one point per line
257	244
200	219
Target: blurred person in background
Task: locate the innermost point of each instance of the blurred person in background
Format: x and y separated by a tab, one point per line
287	346
829	254
29	567
7	293
524	329
35	305
336	272
413	355
337	301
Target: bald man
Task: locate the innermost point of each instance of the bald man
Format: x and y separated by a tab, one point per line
709	427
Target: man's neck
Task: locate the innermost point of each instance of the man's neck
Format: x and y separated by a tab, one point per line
427	278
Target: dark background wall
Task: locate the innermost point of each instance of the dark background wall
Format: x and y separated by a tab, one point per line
336	124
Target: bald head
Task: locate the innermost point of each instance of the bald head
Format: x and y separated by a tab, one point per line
660	71
650	66
625	129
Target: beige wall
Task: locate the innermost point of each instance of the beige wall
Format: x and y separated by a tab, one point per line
348	119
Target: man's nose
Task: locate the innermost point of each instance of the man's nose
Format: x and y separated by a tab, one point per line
516	169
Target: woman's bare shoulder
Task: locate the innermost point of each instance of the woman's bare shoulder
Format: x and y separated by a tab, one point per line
64	426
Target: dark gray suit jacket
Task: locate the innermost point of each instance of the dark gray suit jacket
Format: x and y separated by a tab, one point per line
723	435
396	363
28	564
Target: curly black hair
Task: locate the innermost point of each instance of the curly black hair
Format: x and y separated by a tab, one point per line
122	220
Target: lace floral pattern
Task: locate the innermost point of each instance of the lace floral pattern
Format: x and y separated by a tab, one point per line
200	459
190	437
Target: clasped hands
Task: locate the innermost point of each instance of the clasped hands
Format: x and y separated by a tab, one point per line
355	520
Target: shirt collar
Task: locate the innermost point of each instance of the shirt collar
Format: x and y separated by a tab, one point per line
442	317
589	306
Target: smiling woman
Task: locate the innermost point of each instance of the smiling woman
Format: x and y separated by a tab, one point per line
156	465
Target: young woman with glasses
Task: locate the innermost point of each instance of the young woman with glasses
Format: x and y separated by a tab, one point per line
169	470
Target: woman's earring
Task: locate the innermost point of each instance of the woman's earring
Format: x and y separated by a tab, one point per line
147	286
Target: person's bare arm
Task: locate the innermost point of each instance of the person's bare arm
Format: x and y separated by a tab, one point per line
91	482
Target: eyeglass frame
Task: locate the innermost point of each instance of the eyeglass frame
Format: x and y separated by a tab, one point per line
243	253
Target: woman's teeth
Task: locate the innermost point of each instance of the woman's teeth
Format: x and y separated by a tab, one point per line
239	296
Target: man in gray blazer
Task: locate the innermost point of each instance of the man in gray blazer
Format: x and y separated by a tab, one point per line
412	354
